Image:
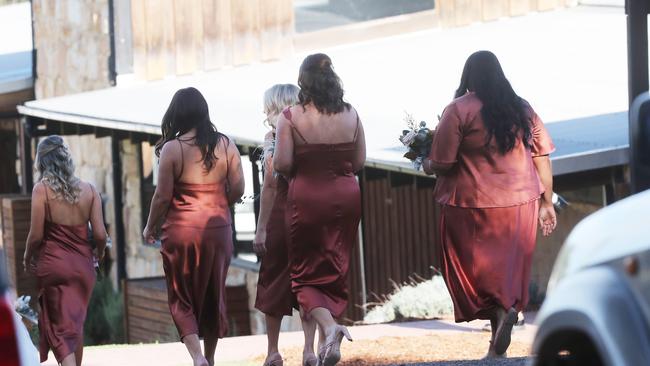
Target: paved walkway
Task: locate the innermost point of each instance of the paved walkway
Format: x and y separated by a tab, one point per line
240	350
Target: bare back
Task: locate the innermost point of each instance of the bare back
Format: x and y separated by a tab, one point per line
189	167
313	127
62	212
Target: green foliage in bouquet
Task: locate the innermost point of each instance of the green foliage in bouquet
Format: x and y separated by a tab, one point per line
417	300
105	317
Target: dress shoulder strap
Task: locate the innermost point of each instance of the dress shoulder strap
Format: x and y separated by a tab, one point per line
356	130
47	204
180	144
287	114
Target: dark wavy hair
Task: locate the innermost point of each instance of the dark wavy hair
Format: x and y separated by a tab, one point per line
187	110
320	85
505	114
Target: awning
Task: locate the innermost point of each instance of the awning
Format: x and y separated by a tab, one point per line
570	65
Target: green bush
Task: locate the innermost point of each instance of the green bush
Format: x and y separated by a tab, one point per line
105	318
424	300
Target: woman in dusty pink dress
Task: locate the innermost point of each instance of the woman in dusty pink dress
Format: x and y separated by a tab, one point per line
491	154
59	253
200	177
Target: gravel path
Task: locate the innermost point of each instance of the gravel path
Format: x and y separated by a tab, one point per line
515	361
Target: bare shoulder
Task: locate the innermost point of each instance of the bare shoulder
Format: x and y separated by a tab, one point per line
38	191
170	148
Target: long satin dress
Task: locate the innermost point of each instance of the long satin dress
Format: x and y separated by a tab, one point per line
322	217
196	251
490	203
66	278
274	296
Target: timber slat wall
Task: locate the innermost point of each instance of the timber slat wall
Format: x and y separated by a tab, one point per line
147	311
463	12
399	229
15	220
176	37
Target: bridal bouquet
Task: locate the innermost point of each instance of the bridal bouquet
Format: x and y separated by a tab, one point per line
417	138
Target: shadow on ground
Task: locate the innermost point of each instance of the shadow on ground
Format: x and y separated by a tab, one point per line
515	361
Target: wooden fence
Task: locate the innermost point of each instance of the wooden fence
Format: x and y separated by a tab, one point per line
15	219
147	311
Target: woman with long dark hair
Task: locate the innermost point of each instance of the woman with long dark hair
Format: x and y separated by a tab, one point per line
58	251
491	154
320	146
199	177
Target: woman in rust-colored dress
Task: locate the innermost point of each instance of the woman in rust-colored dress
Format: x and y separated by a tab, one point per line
491	154
320	146
58	251
199	178
274	297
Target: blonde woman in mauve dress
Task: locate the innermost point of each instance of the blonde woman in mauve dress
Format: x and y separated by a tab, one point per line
200	176
274	296
491	154
320	147
59	253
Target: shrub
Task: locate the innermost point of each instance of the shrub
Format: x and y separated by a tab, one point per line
424	300
105	318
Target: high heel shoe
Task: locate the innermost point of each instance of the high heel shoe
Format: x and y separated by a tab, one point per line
330	354
309	360
274	362
503	335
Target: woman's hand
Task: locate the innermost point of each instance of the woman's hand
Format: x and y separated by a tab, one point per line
547	217
29	263
258	243
149	235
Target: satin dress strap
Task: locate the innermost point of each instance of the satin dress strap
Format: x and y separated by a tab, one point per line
287	114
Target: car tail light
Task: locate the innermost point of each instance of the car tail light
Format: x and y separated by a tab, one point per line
8	342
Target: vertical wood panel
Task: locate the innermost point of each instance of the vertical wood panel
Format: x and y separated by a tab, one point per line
156	67
139	37
246	31
467	11
188	26
494	9
519	7
217	31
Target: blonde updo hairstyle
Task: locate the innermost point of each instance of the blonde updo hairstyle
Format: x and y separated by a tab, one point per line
56	168
276	99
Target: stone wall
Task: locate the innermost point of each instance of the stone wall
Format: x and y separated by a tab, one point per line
72	46
141	261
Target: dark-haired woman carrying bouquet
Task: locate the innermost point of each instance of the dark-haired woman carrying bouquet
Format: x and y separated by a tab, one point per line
200	177
491	155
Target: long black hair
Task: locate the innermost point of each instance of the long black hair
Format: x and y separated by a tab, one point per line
505	114
187	110
320	85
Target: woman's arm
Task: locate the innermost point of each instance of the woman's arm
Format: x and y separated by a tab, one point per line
283	156
164	189
97	223
547	217
37	224
267	197
446	143
235	174
360	155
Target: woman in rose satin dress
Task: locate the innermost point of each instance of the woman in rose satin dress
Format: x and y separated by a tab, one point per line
491	154
320	146
58	251
200	176
274	297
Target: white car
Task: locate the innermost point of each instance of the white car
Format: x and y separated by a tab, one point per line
597	309
16	347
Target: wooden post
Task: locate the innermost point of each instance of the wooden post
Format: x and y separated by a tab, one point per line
26	160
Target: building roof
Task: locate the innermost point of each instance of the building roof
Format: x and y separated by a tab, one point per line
16	50
569	64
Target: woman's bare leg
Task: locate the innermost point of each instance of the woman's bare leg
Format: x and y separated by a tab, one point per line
273	324
209	348
193	346
70	360
309	326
